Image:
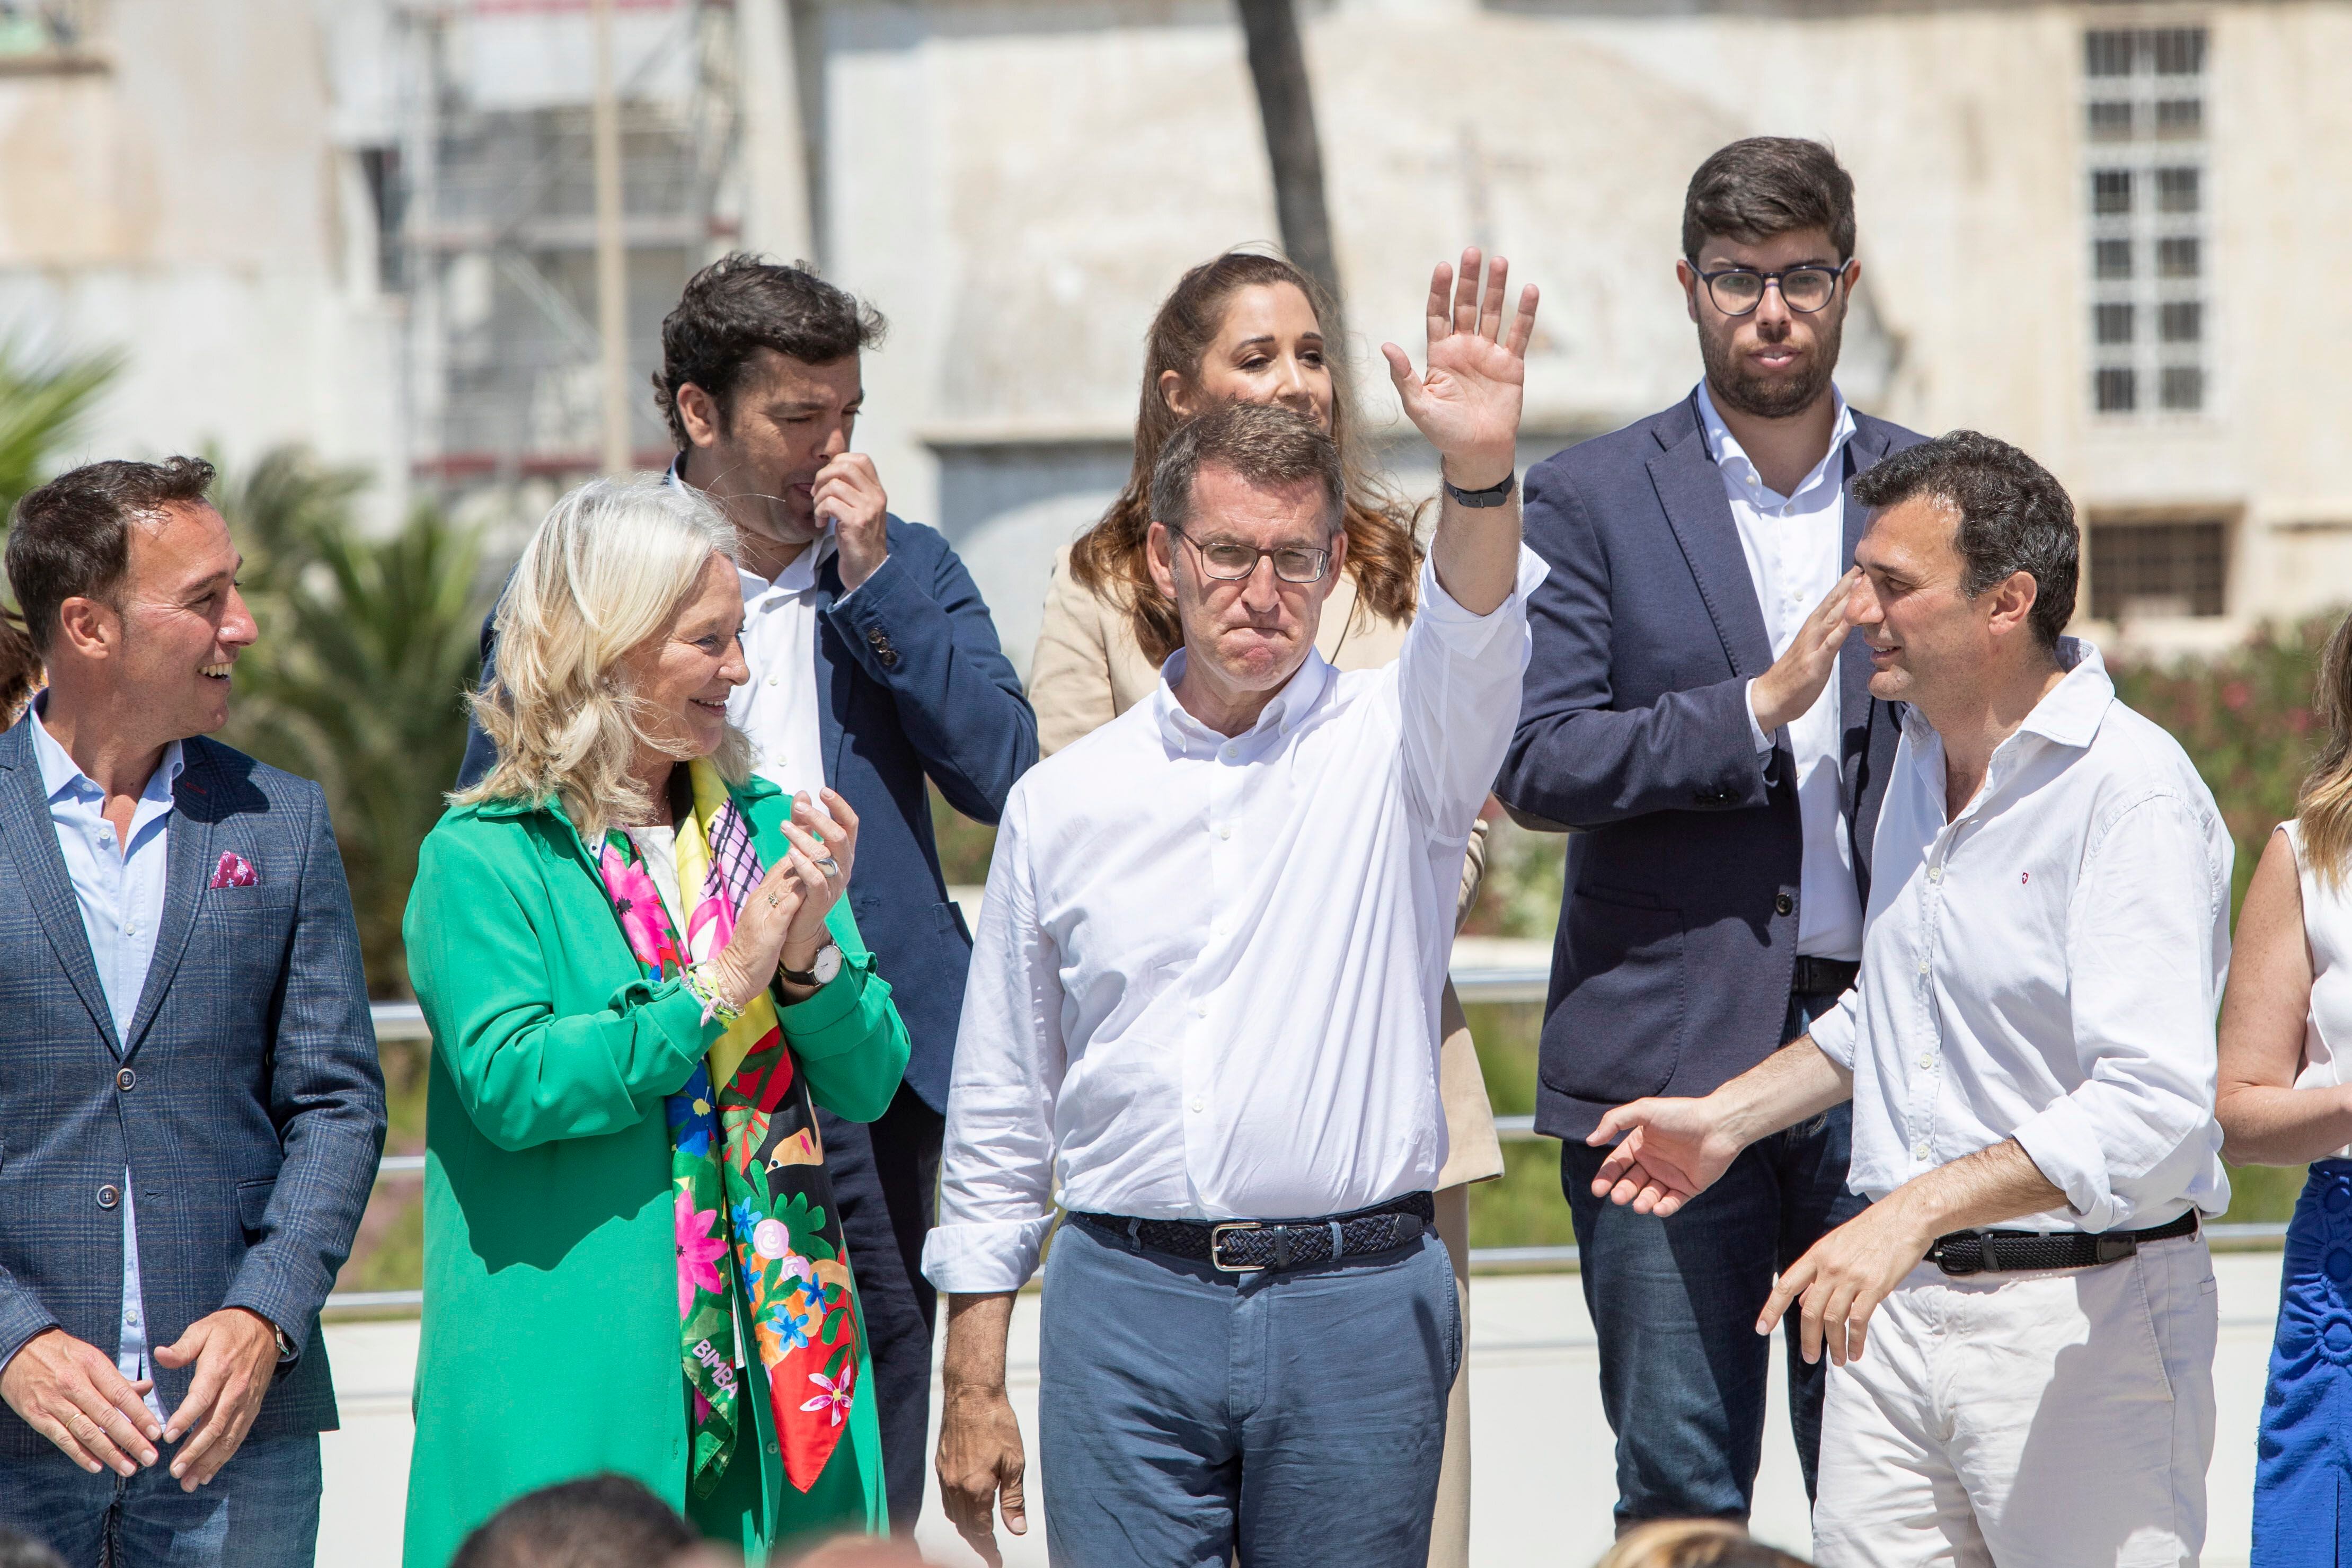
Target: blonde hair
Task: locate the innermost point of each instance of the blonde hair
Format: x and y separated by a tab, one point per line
1693	1543
2324	805
605	570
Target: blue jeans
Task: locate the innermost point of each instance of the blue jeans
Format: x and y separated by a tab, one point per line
1296	1419
2303	1464
1675	1302
261	1511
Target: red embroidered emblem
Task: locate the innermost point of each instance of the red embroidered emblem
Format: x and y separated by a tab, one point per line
2024	876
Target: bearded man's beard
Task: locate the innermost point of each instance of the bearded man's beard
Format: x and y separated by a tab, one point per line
1769	396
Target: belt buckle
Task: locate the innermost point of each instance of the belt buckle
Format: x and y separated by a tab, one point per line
1941	1255
1217	1234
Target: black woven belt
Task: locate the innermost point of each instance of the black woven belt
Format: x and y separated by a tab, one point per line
1250	1246
1823	976
2015	1251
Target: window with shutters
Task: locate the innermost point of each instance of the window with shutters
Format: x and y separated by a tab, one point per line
2142	569
2147	200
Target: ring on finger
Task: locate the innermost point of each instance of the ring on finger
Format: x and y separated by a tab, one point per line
830	866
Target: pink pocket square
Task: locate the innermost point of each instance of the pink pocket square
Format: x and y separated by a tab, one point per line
233	871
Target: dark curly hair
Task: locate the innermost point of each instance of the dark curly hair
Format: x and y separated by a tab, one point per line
1109	559
2013	514
741	304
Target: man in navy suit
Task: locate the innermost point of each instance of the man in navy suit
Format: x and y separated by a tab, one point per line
1698	713
874	666
191	1107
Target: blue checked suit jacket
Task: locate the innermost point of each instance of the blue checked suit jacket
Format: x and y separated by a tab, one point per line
246	1099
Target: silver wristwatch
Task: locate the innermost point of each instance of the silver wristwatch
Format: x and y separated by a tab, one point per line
820	969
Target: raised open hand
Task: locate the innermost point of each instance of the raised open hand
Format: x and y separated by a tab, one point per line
1466	403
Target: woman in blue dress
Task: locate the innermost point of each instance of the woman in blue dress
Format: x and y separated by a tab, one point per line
2285	1097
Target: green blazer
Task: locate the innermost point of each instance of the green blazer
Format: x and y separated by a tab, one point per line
550	1344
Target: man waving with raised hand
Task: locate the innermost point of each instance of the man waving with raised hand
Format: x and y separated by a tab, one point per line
1204	1006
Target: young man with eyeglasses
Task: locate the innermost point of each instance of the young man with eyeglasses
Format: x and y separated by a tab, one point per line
1203	1014
1695	708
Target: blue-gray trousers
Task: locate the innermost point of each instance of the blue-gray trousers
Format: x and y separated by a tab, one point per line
1187	1418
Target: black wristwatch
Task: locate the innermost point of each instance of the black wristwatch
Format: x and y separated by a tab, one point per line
821	970
1492	496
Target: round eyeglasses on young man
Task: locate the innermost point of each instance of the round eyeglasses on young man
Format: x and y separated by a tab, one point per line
1738	290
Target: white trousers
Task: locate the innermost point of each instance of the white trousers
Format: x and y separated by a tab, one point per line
2051	1419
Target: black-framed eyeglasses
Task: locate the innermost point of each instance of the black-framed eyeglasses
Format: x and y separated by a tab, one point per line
1737	291
1229	562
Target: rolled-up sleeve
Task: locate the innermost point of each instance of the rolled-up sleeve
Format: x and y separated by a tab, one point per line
1838	1032
2146	950
996	1170
1458	678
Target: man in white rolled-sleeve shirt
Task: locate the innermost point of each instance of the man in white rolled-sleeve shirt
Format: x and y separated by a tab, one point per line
1203	1008
2030	1051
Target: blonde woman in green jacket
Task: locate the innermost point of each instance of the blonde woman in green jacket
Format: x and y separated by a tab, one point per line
641	976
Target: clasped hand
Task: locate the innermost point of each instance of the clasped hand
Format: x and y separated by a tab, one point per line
70	1392
782	921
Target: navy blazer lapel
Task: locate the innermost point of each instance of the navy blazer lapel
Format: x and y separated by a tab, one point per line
31	835
1864	448
1690	488
830	732
187	873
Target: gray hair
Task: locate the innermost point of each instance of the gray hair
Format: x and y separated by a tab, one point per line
1266	446
605	570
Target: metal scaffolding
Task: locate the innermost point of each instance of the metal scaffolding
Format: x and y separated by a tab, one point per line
489	211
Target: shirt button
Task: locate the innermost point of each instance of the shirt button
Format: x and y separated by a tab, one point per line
1923	965
1199	1009
1199	1105
108	1196
1784	905
771	680
1225	831
1926	1064
131	928
125	1079
1231	752
1919	1151
1934	873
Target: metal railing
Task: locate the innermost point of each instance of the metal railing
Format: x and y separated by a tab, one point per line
404	1020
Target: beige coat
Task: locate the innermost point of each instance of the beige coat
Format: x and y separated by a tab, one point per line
1087	670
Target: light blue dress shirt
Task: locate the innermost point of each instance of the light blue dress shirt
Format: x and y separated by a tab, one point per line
120	888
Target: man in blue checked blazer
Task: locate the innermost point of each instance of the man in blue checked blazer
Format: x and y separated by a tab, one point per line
191	1108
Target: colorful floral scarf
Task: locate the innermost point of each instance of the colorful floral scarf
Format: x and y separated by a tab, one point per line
768	1200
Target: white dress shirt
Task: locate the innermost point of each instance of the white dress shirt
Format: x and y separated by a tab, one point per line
777	707
1206	983
1795	546
2046	966
120	889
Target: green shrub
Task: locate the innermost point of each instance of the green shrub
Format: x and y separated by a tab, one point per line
2246	720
